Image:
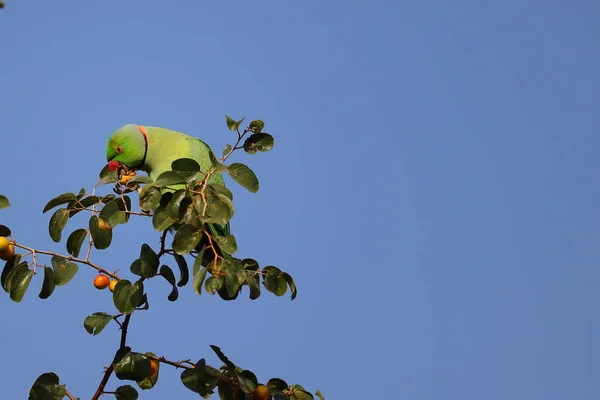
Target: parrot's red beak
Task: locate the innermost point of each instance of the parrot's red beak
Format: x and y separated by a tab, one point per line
113	165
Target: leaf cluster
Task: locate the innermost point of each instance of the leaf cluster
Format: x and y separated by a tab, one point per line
196	209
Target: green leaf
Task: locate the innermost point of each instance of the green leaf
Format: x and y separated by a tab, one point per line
188	213
213	284
226	391
4	202
9	266
139	179
151	380
186	238
75	241
290	281
184	272
107	176
167	273
216	206
222	357
128	296
217	188
48	284
19	283
11	274
248	381
259	142
169	178
253	282
201	379
124	204
58	221
227	150
75	207
300	394
214	161
64	270
175	202
4	230
321	397
256	126
104	172
149	198
58	200
147	264
161	220
101	233
108	198
273	282
132	366
185	164
244	176
276	383
232	124
126	392
90	201
95	323
227	243
278	395
47	387
250	264
199	277
234	277
111	214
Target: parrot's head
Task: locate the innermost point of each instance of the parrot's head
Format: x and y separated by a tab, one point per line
127	146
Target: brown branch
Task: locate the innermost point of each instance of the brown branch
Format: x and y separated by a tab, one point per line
69	395
108	372
212	246
176	364
74	259
235	147
163	237
143	214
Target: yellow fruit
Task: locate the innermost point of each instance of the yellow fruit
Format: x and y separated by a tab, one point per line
3	243
7	252
112	285
153	367
260	393
101	282
127	176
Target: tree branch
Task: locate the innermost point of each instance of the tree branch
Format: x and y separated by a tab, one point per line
110	369
74	259
69	395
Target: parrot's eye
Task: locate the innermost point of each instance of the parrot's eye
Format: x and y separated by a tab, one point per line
119	149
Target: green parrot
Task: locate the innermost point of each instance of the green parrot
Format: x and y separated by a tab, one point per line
153	149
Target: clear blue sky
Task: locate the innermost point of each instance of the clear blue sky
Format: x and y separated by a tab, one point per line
433	188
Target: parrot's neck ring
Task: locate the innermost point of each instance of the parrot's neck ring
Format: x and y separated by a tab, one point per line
145	135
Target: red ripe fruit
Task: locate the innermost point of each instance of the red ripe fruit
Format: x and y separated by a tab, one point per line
113	165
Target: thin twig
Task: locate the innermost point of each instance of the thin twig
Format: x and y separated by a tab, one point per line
69	258
163	237
177	364
235	147
212	246
91	240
